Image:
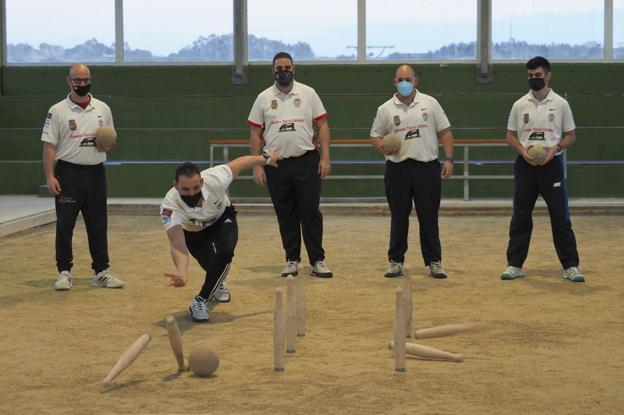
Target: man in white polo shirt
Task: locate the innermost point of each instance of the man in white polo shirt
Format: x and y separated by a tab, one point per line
414	172
284	117
540	117
200	219
76	177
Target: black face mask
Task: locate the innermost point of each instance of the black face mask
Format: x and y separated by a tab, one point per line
191	200
283	78
536	84
82	90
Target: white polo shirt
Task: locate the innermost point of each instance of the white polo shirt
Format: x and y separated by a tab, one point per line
173	210
417	124
72	130
287	119
540	121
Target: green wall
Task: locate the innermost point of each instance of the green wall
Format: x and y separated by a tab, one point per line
172	113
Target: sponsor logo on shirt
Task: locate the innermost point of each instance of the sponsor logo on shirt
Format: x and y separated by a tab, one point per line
287	127
537	136
551	117
87	142
412	134
425	116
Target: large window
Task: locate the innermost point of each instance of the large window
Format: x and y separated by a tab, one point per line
310	30
60	31
555	29
178	31
618	29
421	30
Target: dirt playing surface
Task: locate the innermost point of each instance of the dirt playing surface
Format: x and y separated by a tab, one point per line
555	346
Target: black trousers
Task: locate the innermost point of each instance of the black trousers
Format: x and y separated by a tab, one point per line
213	248
83	189
418	181
295	189
548	181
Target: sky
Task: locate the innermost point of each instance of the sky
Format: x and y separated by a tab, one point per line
329	26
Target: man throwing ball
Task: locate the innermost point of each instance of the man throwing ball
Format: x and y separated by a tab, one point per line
200	219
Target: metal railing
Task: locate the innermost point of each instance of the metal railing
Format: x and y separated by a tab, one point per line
466	144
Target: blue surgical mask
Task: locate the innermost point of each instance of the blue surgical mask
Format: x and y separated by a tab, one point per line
405	88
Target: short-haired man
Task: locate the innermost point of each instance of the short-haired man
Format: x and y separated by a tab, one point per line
283	117
540	117
75	175
200	219
413	174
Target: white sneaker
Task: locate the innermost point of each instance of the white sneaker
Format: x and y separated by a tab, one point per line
394	270
222	293
106	279
198	310
321	270
511	273
290	268
573	274
63	281
436	270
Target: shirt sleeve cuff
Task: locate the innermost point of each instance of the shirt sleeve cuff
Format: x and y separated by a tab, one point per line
320	117
253	124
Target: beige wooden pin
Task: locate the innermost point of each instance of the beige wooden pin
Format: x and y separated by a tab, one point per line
448	330
175	340
399	331
301	307
291	314
409	306
429	352
128	357
279	331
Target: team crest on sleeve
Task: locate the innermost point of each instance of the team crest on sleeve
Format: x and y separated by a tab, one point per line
274	104
526	117
165	216
49	115
297	102
72	125
397	120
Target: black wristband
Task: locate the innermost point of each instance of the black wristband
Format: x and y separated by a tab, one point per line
449	159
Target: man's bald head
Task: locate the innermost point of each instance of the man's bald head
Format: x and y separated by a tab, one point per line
79	70
405	71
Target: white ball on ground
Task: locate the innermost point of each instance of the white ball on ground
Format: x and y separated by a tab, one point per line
203	361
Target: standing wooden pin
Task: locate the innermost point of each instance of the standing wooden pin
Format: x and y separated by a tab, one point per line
291	315
399	331
279	331
301	307
409	306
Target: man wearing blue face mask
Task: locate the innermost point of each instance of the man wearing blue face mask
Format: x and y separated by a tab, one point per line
540	117
413	174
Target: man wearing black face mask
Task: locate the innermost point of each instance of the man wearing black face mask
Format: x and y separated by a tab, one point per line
75	175
284	117
199	219
540	117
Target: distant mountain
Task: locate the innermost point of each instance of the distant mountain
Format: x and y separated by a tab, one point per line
220	48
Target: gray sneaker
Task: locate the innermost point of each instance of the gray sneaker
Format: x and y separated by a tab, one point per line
321	270
290	268
198	310
511	273
222	293
436	270
394	270
573	274
106	279
63	281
